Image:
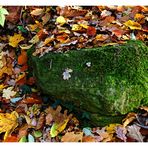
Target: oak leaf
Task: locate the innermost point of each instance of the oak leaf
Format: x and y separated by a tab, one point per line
14	40
8	122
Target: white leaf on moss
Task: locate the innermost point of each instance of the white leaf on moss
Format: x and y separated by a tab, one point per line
66	74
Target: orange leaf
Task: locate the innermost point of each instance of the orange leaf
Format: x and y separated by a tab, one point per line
91	31
31	100
88	139
11	139
22	58
129	118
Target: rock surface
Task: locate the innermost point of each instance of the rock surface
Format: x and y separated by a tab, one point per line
106	81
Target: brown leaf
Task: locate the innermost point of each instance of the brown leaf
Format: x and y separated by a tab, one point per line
14	14
107	20
72	137
49	119
144	108
23	131
37	11
41	121
69	12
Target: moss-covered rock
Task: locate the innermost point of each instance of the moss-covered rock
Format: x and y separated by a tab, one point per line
105	81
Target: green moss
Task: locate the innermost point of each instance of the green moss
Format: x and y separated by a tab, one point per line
115	83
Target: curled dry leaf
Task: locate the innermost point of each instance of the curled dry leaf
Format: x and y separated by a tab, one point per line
72	137
129	118
8	122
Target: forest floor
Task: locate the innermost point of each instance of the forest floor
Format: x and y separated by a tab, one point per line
25	115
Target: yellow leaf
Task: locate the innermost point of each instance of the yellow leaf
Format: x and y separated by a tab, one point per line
72	137
14	40
139	16
34	40
48	40
6	70
24	46
37	11
61	20
132	25
76	27
8	122
58	128
111	128
2	86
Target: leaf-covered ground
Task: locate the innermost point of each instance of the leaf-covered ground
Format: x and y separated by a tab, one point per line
28	116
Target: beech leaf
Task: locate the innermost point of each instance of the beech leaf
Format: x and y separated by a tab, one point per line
8	122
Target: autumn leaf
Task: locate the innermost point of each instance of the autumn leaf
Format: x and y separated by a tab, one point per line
129	118
91	31
22	58
8	122
8	93
11	139
37	12
88	139
14	40
34	40
133	25
5	70
72	137
58	128
61	20
133	132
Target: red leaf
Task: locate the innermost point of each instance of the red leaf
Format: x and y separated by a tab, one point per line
91	31
11	139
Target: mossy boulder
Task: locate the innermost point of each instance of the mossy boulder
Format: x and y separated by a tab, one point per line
106	81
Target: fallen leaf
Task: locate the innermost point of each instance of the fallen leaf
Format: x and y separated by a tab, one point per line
101	37
23	139
8	93
37	134
30	138
111	128
22	58
23	131
8	122
46	18
41	121
11	139
129	118
72	137
139	16
25	46
14	40
91	31
37	12
61	20
88	139
133	25
144	108
58	128
34	40
121	133
133	132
